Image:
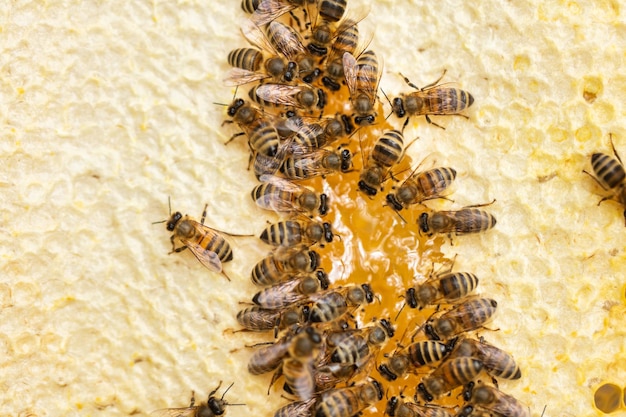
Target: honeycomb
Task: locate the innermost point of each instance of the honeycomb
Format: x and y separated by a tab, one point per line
96	319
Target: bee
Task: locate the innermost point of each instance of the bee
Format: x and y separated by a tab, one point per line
496	362
315	135
359	345
469	315
260	129
332	24
495	402
268	10
415	355
269	358
207	244
284	196
212	408
317	163
362	77
433	99
400	408
331	305
460	222
421	186
610	175
294	233
298	367
450	374
273	269
260	319
286	293
349	401
296	409
301	96
449	287
387	152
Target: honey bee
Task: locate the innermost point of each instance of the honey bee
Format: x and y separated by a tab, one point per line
269	358
207	244
469	315
301	96
260	129
421	186
283	196
260	319
273	269
346	41
400	408
315	135
387	152
212	408
349	401
415	355
283	39
294	233
433	99
286	293
317	163
460	222
362	77
610	175
359	345
326	32
329	375
449	287
496	362
298	367
495	402
333	304
296	409
450	374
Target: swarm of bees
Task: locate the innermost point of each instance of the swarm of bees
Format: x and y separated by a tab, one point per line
311	114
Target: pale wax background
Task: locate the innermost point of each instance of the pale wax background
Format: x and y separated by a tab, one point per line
107	109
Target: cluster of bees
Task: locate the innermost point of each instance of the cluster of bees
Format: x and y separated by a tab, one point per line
305	58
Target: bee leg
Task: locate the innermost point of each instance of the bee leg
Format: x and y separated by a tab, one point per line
614	151
233	137
204	213
215	390
193	399
436	81
604	199
433	123
495	382
225	276
174	248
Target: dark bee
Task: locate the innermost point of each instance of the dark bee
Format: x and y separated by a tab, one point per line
333	304
469	315
496	362
268	10
298	368
294	233
357	346
349	401
301	97
317	163
447	287
450	374
459	222
296	409
260	319
421	186
431	100
362	77
387	152
212	408
260	129
414	356
495	402
400	408
286	293
283	196
273	269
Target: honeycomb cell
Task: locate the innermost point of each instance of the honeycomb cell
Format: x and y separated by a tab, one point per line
607	398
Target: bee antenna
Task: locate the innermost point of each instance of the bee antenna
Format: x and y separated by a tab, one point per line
401	308
159	222
169	204
220	104
225	391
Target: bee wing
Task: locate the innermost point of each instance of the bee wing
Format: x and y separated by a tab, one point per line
269	10
285	95
311	162
353	17
206	257
174	412
366	73
256	37
238	76
441	99
350	72
273	201
283	184
288	41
